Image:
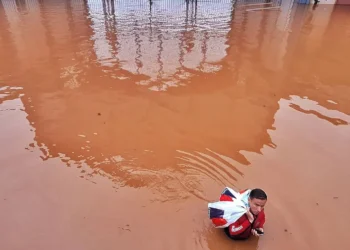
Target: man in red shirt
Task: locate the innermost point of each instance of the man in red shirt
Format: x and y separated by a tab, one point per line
252	222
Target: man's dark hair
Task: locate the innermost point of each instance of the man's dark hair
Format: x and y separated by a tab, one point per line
258	193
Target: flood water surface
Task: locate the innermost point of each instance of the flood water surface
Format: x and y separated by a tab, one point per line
121	120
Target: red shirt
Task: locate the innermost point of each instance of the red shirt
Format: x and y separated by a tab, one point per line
242	228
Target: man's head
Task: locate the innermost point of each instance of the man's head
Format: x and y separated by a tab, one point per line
257	200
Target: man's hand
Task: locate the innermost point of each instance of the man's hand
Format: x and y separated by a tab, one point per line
255	233
250	216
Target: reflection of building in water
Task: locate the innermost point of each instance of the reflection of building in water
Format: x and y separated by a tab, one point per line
162	40
86	44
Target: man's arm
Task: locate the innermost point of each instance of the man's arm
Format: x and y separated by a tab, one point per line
261	220
242	223
260	226
239	227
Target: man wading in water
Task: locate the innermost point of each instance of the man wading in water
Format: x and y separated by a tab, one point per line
252	222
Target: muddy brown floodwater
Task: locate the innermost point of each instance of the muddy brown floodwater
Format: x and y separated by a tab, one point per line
120	121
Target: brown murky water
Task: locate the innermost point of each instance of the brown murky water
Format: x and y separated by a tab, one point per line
119	121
